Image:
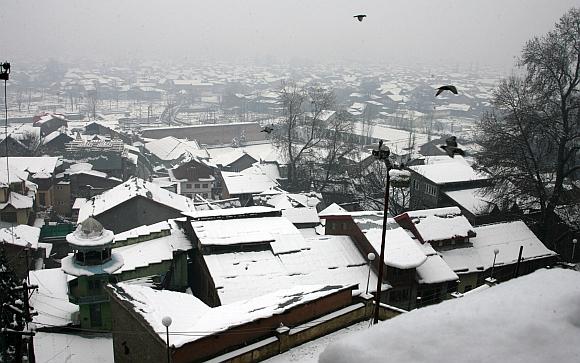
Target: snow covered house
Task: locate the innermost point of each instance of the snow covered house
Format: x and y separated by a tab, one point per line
142	201
244	331
413	272
89	268
15	146
154	255
469	251
17	196
41	171
194	177
20	243
439	175
299	208
242	253
49	122
170	150
249	182
511	321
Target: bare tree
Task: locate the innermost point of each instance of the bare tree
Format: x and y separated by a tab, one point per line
19	98
92	103
337	145
369	185
302	127
531	139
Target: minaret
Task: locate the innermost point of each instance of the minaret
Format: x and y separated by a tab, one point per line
92	263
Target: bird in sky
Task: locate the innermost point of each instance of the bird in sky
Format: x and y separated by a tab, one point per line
268	129
360	17
451	148
446	88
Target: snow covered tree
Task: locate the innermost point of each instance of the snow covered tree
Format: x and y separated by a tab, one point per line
531	139
12	318
302	128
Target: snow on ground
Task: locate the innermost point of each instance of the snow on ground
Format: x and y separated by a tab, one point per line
309	352
535	318
69	348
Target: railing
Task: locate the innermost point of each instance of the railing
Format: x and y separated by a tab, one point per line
81	300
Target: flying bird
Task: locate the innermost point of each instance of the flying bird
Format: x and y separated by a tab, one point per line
451	148
446	88
360	17
268	129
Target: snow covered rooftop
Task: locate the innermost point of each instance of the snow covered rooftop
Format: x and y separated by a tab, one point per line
253	180
170	148
69	266
18	201
400	249
434	270
438	224
190	314
20	235
324	260
279	232
512	322
448	170
50	300
33	164
231	212
472	199
506	237
132	188
154	250
332	210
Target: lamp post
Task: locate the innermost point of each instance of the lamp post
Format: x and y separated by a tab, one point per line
166	321
574	242
371	257
495	252
382	154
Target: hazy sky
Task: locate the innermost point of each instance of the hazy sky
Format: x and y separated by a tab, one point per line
486	32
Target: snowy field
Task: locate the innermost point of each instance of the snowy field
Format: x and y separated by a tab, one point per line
535	318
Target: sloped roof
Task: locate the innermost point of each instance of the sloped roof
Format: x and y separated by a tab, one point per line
130	189
188	313
323	260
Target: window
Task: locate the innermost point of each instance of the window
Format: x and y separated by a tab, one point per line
95	315
196	186
416	184
204	185
188	186
430	189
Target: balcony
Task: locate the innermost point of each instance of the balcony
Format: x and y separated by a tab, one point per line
92	299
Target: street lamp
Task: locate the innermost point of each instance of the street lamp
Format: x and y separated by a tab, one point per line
382	155
166	321
574	241
495	252
371	257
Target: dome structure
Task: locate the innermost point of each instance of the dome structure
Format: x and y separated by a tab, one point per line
93	255
90	234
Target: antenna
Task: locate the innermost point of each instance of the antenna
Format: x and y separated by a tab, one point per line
5	75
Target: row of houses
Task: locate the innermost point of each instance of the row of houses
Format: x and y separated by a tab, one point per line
260	269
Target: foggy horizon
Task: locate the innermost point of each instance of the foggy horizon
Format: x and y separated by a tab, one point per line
484	34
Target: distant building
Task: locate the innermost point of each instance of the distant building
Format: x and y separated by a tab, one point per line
215	134
194	177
